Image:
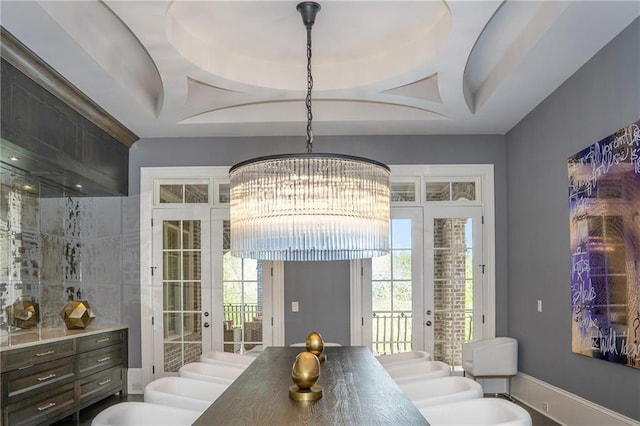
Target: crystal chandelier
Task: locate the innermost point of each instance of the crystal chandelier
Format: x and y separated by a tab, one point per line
309	206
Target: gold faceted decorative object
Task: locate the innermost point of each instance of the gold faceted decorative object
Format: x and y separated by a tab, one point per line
305	373
23	313
77	314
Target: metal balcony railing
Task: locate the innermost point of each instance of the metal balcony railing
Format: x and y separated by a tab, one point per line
391	332
237	314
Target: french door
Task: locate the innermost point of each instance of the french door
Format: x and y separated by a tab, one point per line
195	297
242	294
453	290
427	292
397	286
181	286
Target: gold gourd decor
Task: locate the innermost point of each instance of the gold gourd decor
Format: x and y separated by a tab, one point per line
315	345
305	373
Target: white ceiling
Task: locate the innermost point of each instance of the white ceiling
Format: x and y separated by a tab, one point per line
238	68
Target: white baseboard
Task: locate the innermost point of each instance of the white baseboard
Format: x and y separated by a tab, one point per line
134	381
562	406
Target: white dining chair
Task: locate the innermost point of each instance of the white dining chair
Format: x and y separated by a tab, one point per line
491	358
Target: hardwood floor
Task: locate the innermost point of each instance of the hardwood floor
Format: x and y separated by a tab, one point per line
87	415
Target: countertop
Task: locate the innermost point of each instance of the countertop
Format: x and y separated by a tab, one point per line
32	337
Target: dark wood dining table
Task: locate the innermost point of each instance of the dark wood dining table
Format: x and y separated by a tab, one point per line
357	390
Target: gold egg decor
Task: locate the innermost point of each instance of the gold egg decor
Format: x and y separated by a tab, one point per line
305	373
315	345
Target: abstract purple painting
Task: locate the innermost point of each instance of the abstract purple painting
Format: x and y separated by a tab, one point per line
604	214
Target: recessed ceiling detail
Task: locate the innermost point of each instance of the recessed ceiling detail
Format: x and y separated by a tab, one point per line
206	96
425	89
109	42
384	38
325	110
495	57
191	68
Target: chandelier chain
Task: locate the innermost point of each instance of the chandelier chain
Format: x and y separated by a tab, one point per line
309	88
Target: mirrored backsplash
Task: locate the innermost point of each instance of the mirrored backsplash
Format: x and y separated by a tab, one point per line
52	241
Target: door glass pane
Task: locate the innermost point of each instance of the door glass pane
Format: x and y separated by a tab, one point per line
438	191
224	193
381	267
171	298
172	326
172	356
463	191
170	194
196	194
191	352
171	235
392	292
403	191
453	287
191	234
402	264
381	291
171	265
402	295
192	329
192	296
192	265
441	233
242	299
182	304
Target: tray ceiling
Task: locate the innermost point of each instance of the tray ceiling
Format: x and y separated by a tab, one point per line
238	68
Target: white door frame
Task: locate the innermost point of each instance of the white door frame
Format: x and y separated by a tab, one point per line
475	213
148	176
159	216
420	174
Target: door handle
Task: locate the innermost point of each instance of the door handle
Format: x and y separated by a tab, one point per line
206	325
428	323
428	312
206	314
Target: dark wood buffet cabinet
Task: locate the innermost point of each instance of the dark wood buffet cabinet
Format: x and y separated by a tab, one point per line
52	377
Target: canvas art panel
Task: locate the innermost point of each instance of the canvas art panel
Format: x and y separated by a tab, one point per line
604	210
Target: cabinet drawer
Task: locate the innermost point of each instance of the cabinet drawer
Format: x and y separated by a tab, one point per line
42	407
100	383
97	360
19	358
99	340
39	376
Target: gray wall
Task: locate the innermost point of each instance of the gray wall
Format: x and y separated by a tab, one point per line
322	292
459	149
599	99
462	149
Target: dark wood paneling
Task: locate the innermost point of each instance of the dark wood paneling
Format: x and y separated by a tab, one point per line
53	135
62	135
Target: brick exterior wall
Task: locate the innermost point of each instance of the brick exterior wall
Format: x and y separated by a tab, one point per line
449	289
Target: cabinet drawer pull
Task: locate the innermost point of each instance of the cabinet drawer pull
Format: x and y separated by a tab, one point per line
25	367
46	407
104	339
46	353
104	382
103	359
47	377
